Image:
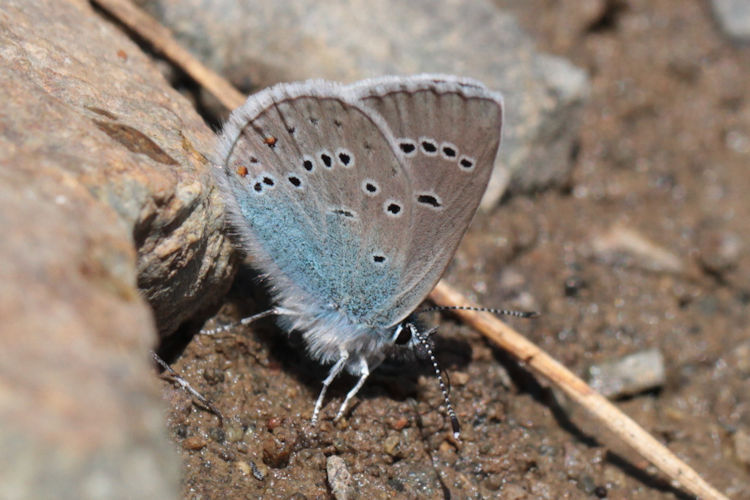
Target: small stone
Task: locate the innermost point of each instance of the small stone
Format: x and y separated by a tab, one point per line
628	375
459	379
719	250
243	467
400	423
446	450
273	423
740	358
627	247
234	433
193	443
339	478
390	445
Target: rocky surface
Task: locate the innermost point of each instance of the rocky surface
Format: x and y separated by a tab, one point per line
111	235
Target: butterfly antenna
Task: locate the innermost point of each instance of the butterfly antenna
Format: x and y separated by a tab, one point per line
499	312
422	338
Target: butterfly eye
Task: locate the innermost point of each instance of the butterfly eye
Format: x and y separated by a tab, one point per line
404	337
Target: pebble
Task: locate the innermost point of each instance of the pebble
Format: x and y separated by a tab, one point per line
234	433
243	467
459	379
625	246
719	250
193	443
400	423
339	478
628	375
390	445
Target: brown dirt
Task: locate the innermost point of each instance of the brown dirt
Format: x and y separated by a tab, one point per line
661	153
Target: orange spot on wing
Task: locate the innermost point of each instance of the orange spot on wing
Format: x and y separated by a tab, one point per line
270	140
242	170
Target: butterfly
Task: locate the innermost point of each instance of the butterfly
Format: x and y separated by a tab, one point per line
352	199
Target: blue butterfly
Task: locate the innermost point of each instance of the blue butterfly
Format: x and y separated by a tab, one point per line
352	199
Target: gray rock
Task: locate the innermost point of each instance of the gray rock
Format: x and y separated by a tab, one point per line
339	478
733	17
628	375
259	43
627	247
103	188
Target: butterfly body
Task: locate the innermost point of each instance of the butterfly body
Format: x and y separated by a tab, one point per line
351	199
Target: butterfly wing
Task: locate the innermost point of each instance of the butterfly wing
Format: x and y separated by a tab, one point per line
318	194
449	131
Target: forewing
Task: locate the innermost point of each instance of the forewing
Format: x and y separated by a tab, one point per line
319	196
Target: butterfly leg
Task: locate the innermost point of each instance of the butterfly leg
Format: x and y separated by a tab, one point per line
364	372
335	370
275	311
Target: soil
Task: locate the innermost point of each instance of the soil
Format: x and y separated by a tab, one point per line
664	152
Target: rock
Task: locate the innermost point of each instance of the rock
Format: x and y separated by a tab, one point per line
391	445
114	126
628	375
105	188
194	443
339	478
719	250
733	17
627	247
300	39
